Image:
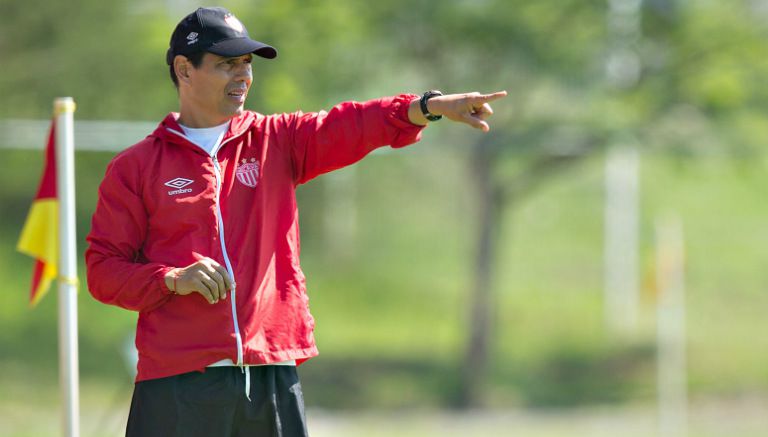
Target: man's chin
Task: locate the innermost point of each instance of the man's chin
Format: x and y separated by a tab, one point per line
234	112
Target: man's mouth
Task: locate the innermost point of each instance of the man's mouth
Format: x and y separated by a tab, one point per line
238	94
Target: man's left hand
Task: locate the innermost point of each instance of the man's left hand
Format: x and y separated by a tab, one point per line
470	108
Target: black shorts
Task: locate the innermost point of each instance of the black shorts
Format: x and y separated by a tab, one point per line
213	404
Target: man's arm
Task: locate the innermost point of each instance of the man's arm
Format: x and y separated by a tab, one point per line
470	108
118	228
325	141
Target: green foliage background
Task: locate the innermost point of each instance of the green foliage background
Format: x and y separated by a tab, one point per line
392	313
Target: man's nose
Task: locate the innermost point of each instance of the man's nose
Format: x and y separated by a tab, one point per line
243	72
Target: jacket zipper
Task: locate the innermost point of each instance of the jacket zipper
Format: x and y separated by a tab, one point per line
233	294
228	264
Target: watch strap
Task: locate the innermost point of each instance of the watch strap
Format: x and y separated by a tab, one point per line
423	104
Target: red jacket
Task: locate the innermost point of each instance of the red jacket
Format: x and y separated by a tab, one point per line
164	203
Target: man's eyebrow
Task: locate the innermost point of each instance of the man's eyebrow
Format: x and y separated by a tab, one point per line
231	58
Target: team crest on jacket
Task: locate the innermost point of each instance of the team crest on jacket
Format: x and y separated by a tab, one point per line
248	172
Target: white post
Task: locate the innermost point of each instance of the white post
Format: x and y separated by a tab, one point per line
64	108
623	68
621	225
671	358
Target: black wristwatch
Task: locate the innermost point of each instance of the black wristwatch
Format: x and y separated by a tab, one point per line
423	103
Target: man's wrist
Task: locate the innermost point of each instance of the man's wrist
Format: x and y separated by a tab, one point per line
414	113
170	280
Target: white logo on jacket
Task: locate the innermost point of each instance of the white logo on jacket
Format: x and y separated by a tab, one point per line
179	184
248	172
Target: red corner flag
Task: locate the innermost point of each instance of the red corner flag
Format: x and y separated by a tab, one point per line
40	236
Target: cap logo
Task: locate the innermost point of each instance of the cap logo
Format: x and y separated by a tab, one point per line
234	23
191	38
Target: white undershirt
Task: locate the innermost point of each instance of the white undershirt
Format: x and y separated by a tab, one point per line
207	138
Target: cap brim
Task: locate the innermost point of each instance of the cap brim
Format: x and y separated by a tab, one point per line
241	46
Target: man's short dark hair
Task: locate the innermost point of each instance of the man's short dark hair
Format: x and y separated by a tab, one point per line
194	58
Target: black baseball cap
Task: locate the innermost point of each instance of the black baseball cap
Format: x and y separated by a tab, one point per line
214	30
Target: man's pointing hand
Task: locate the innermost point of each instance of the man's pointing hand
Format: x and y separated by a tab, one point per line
470	108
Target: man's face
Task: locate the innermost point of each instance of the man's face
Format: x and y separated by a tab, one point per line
219	86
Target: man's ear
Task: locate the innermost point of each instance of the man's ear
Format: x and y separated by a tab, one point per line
182	66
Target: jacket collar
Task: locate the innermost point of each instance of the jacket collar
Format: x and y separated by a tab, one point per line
170	131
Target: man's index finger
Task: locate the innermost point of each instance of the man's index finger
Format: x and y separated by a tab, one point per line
493	96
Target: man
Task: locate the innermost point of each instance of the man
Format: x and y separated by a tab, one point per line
196	228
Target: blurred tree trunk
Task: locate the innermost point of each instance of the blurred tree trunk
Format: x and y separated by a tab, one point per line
494	194
474	367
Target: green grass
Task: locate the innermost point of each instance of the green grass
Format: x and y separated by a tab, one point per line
391	308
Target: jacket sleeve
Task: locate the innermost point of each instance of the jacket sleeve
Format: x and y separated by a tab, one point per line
324	142
116	272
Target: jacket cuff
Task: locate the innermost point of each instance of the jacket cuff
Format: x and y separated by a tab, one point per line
160	280
397	116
